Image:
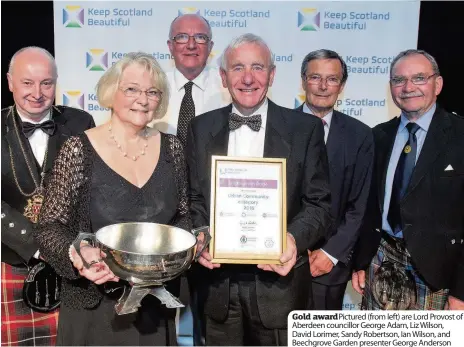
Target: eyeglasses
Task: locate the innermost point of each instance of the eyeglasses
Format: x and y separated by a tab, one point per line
151	94
417	80
316	79
184	38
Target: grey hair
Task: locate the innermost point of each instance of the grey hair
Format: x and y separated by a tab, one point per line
323	54
210	32
244	39
410	52
33	48
108	84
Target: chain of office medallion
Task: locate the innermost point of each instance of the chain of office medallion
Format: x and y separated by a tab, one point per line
15	176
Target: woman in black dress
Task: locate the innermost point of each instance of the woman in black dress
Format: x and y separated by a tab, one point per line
121	171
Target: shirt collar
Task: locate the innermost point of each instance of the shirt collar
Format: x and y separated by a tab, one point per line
199	81
44	119
262	110
423	122
327	117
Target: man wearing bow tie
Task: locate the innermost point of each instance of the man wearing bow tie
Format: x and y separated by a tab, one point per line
249	304
33	131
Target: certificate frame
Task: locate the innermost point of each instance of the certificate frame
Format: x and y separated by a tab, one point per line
277	175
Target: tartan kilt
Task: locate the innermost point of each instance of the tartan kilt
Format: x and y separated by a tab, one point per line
426	298
21	326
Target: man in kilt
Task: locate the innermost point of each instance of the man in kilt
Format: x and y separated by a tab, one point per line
412	242
33	131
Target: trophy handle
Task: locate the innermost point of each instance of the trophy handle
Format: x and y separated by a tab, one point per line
77	245
205	231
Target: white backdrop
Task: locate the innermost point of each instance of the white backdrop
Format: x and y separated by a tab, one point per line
90	36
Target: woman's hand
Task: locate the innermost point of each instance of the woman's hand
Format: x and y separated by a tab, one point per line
98	272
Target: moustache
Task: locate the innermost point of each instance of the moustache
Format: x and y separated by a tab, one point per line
410	95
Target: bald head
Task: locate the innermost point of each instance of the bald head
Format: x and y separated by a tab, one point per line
36	54
189	20
32	80
190	57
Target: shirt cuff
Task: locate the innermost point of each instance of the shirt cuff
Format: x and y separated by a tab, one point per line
36	255
334	260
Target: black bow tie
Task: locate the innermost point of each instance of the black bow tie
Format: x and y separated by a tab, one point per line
236	121
47	127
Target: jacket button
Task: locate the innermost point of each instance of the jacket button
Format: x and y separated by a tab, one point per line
3	215
11	225
453	241
23	231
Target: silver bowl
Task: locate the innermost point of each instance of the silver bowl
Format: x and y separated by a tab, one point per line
144	253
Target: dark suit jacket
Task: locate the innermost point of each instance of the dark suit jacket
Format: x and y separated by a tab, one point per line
350	148
18	245
432	208
300	139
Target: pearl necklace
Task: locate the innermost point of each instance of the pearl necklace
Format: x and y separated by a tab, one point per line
124	153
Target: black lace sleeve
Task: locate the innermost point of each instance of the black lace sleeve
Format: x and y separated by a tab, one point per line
59	217
176	150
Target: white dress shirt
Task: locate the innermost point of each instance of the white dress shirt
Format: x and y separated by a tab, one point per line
328	119
39	139
39	143
245	142
207	93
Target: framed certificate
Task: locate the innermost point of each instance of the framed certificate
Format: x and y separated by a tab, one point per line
248	210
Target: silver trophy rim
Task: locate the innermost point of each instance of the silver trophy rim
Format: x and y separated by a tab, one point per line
194	239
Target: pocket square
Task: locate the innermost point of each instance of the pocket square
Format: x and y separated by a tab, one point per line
449	168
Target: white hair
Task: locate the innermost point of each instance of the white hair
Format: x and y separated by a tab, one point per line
241	40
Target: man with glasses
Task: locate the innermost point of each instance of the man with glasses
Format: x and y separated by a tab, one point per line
410	254
350	149
195	87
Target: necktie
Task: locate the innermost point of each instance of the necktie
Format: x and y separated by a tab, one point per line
326	129
47	127
403	174
186	113
236	121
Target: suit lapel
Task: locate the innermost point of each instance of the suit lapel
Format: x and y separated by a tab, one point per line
20	165
277	138
385	146
435	142
219	133
57	139
336	139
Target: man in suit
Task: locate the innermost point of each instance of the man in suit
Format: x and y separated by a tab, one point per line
413	240
33	131
350	149
249	304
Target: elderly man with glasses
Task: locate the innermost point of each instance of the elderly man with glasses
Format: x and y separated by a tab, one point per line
350	149
196	88
410	254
